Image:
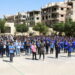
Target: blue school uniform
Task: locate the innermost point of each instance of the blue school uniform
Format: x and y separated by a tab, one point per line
73	44
70	48
38	44
66	44
61	45
11	49
52	45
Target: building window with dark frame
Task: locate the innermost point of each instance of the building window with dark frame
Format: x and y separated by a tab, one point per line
49	16
37	18
43	18
62	15
62	8
24	16
46	17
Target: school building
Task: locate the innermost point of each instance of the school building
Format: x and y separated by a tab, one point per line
49	14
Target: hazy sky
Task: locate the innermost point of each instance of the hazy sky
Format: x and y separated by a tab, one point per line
14	6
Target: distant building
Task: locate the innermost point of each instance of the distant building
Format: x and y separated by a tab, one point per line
50	14
10	24
34	17
9	18
21	18
55	12
29	18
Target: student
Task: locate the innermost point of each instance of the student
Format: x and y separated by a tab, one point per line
11	51
73	45
33	48
7	48
42	50
38	45
4	46
18	47
56	49
1	48
47	45
25	46
51	47
22	46
65	46
61	44
70	49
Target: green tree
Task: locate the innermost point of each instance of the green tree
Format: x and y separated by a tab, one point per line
59	27
21	28
70	28
2	25
42	28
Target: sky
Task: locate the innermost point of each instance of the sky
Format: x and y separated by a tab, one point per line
9	7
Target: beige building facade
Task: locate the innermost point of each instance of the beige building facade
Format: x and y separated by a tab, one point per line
55	12
34	17
29	18
49	14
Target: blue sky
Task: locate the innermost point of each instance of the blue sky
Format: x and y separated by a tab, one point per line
14	6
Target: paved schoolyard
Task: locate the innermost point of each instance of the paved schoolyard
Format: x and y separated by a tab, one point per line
23	65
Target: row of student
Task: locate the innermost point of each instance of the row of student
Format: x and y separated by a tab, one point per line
59	43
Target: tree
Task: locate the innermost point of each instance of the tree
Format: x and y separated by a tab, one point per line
42	28
2	25
59	27
69	28
21	28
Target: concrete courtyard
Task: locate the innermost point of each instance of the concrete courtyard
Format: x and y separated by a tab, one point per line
24	65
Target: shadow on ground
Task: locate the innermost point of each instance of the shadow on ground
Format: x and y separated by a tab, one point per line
30	59
51	57
6	60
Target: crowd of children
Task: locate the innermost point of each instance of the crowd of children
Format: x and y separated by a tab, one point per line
37	45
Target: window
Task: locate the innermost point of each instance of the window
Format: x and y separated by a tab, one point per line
37	18
46	17
62	8
49	16
24	16
67	8
43	18
62	15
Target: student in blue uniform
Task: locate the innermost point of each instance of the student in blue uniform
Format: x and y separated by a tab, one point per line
38	45
11	51
56	49
65	46
52	47
1	48
25	47
47	45
73	45
70	49
61	45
